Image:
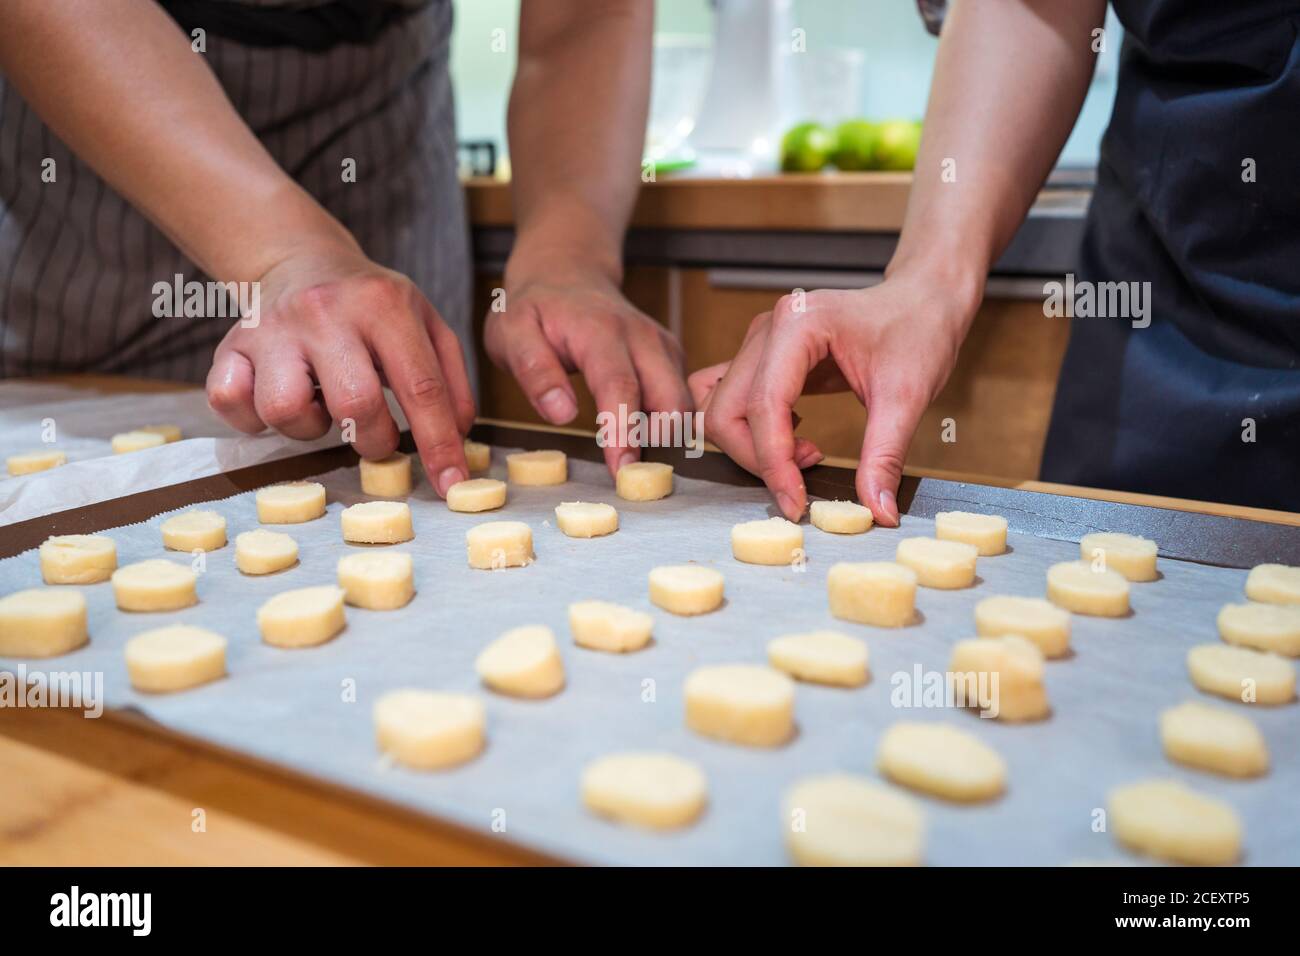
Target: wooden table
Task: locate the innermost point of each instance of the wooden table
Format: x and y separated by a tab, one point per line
113	792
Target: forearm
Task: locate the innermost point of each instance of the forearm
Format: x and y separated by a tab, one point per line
118	82
577	127
1009	80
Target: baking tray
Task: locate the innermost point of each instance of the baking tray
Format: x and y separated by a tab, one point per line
1060	769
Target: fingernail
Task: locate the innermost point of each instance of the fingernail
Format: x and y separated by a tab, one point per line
448	477
627	458
888	505
788	507
557	406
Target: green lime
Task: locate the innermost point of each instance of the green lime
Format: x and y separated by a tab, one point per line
806	148
897	141
855	145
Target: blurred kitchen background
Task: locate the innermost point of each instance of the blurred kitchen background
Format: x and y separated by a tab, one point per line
723	231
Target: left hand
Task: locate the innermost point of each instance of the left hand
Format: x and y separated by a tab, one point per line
556	323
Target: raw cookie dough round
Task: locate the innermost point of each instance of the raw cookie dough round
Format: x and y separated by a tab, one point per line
741	703
291	503
387	477
987	533
1130	555
34	461
429	730
939	564
42	622
1274	584
170	433
771	541
175	658
841	819
377	580
656	790
1018	693
586	519
477	455
840	517
1164	819
499	544
821	657
686	588
602	626
1040	621
136	441
154	585
263	552
872	592
377	522
1075	586
537	468
194	531
1241	674
644	481
1264	627
78	559
942	761
302	618
1214	739
476	494
522	662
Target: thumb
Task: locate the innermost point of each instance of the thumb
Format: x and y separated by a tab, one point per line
519	343
891	422
703	382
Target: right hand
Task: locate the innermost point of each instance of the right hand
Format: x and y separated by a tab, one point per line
333	318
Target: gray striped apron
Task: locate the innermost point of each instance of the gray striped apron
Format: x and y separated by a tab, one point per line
78	263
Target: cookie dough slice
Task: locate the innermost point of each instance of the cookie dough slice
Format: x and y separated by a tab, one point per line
291	503
942	761
1077	587
377	580
741	703
987	533
1214	739
303	617
873	592
170	433
78	559
821	657
644	481
523	662
499	544
387	477
840	517
427	730
659	791
477	455
1264	627
586	519
127	442
686	589
773	541
602	626
1274	584
1040	621
1002	676
1130	555
377	522
476	494
939	564
1165	819
264	552
169	659
31	462
194	531
846	820
547	467
42	622
1241	674
154	585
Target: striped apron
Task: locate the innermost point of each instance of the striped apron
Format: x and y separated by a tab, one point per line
78	263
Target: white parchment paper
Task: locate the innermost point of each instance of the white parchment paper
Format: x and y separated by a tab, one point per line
289	706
